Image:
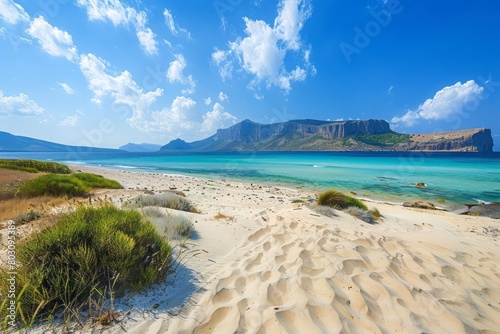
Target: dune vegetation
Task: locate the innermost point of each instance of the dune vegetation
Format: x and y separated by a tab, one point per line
35	166
83	261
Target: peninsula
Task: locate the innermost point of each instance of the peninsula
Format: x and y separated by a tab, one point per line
316	135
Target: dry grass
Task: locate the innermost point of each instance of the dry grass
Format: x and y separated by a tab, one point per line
10	180
45	204
220	216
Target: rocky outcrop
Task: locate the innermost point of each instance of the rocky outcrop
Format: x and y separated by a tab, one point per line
475	140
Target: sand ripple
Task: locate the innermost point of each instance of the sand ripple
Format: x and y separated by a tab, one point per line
297	277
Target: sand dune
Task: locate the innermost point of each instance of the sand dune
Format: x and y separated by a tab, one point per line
278	267
305	275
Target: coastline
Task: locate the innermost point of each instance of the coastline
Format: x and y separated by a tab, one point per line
276	266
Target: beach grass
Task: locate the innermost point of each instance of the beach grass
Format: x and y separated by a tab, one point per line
74	185
175	226
164	200
85	259
339	201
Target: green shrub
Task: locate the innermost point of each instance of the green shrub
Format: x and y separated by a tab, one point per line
54	185
91	253
175	227
66	185
97	181
337	200
35	166
165	200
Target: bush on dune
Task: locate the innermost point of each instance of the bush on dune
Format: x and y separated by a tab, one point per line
54	185
175	226
97	181
73	185
334	199
165	200
85	258
34	166
337	200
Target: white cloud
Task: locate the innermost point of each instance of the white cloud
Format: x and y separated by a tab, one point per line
216	119
262	52
172	26
66	87
12	13
70	121
446	103
389	91
208	100
175	73
121	88
175	119
223	97
291	17
54	41
147	40
18	105
118	14
224	63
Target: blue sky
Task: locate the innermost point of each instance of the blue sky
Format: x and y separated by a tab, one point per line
107	72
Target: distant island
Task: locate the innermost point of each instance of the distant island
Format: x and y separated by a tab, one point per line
295	135
316	135
144	147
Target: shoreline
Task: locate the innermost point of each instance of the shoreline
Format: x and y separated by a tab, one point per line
274	265
374	197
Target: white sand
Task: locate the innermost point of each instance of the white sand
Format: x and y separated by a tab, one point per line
278	267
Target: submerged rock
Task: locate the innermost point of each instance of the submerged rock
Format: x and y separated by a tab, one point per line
420	205
420	185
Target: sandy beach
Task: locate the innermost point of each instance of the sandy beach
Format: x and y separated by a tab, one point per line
260	261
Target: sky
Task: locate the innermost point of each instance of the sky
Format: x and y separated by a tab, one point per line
105	73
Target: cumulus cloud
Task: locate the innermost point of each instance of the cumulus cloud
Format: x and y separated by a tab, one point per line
172	26
54	41
70	121
262	52
174	119
66	87
121	88
20	105
175	73
216	119
118	14
446	103
147	40
223	97
208	101
12	13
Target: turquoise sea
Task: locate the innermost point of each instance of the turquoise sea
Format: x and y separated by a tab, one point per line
457	178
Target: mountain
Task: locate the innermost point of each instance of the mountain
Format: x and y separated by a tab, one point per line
12	143
315	135
144	147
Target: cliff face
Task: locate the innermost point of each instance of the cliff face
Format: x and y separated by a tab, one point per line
314	135
475	140
251	132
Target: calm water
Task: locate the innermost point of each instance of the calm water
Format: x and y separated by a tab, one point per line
457	178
